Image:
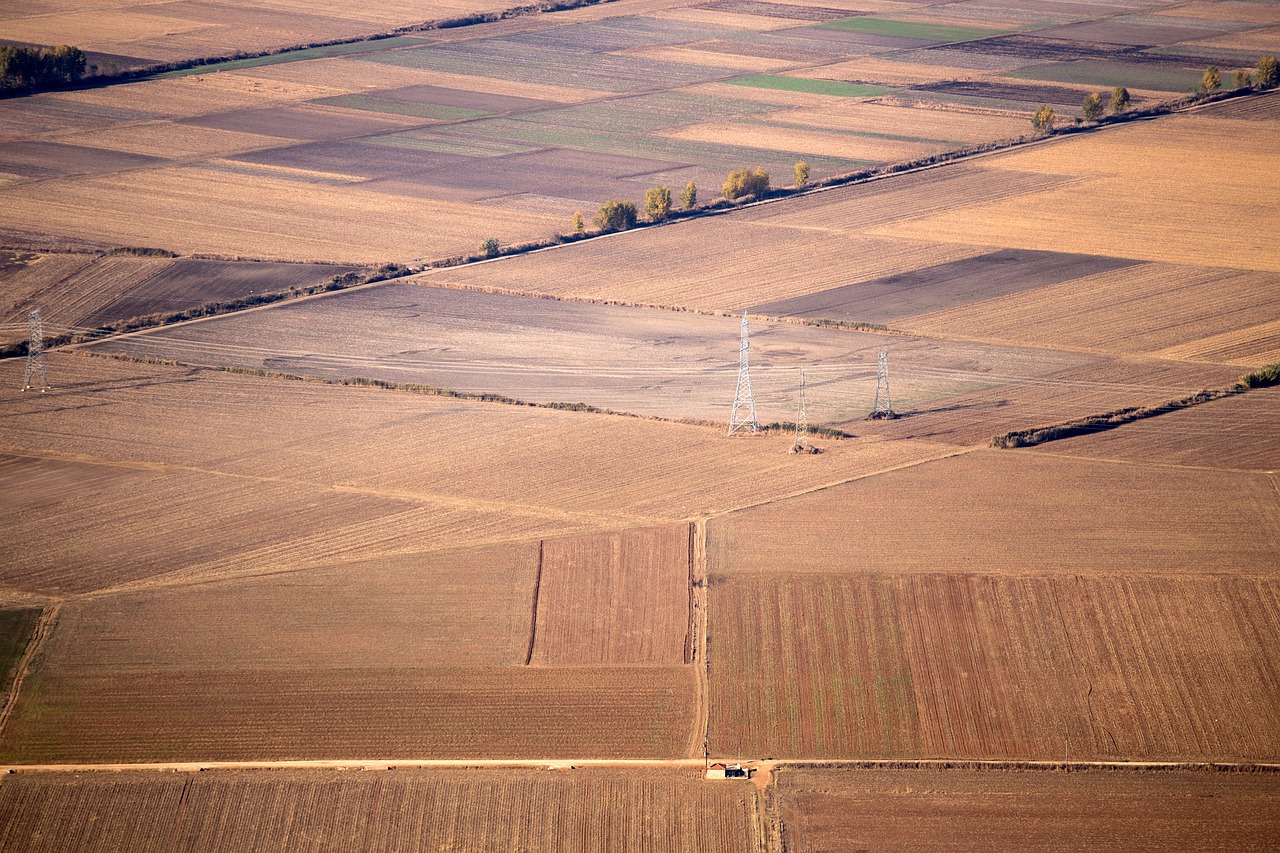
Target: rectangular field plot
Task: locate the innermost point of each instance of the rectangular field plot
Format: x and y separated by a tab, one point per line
1235	432
141	714
1013	512
295	122
548	351
585	810
1146	308
973	280
614	598
1105	73
995	667
1002	811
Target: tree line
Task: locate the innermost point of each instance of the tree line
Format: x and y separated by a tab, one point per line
31	68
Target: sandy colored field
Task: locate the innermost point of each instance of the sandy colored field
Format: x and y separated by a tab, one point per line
1250	346
1235	432
1151	177
1161	309
1260	40
1005	511
832	810
695	56
872	69
1231	10
715	274
552	351
171	140
868	149
614	598
259	216
967	665
393	712
202	94
190	29
586	810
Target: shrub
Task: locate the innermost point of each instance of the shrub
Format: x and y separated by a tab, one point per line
802	175
578	226
1042	120
1267	72
1212	79
616	216
742	183
1119	99
1091	108
1244	78
657	203
689	198
1263	377
489	247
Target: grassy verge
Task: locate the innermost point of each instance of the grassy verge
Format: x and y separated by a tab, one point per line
16	627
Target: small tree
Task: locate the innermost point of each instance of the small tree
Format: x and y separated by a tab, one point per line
1244	78
1043	119
1091	108
1212	79
1119	99
1266	72
616	216
657	203
742	183
489	247
578	226
802	175
689	198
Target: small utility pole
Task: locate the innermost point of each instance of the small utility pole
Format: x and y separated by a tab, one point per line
37	375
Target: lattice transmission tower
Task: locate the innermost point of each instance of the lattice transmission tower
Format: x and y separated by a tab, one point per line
882	409
37	375
744	399
802	444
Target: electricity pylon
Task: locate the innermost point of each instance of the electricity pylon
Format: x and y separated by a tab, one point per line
743	399
802	444
882	409
37	375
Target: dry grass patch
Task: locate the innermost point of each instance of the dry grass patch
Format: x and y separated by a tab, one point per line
171	140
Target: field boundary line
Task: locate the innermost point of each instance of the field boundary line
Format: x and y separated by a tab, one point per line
44	627
533	620
1143	463
698	634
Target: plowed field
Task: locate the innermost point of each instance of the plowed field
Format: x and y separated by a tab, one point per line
584	810
826	811
968	665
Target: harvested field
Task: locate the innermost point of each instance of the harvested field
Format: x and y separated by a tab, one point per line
614	598
866	150
439	711
1151	176
171	140
829	810
1251	346
787	11
463	608
1040	48
1144	308
548	351
311	122
960	283
965	665
1234	432
587	810
36	160
1002	511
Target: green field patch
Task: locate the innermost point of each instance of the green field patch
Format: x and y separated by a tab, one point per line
296	56
1130	75
15	631
814	87
371	103
909	29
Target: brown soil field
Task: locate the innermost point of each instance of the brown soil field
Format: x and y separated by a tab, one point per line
391	712
830	810
874	117
816	142
1151	176
715	274
552	351
462	607
1003	511
1233	433
1154	308
1250	346
586	809
995	666
615	598
978	279
1231	10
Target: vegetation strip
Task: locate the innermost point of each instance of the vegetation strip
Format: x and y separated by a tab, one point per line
1262	378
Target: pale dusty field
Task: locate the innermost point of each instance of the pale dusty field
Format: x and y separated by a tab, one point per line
580	811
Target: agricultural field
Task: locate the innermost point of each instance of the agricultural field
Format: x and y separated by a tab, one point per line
828	810
585	809
419	147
